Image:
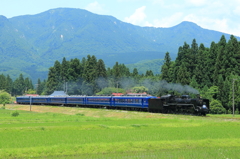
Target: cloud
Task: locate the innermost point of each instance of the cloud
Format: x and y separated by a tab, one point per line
222	25
95	7
138	17
237	10
197	2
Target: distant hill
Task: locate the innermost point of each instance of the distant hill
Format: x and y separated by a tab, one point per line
30	44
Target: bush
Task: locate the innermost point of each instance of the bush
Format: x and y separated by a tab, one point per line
216	107
5	98
15	113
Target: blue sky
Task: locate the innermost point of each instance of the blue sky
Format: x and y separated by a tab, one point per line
220	15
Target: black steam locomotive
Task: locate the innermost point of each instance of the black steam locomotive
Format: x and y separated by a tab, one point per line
182	105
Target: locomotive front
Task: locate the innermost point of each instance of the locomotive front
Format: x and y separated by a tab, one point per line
203	106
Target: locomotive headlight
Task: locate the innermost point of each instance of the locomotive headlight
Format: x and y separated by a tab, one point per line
204	107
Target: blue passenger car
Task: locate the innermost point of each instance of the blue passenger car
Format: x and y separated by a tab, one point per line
23	100
57	100
131	101
76	100
99	100
40	100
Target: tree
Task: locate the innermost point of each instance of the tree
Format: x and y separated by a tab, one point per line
110	90
139	89
149	73
64	70
220	61
74	70
90	69
116	71
135	73
19	85
165	70
5	98
28	84
194	83
40	87
183	75
192	56
210	62
9	84
224	90
52	81
201	68
216	107
101	69
3	82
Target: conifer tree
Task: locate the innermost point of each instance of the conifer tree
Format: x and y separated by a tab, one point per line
3	82
149	73
102	75
64	70
89	73
194	83
220	62
192	56
40	87
19	85
201	69
183	76
165	70
101	69
116	71
74	71
211	61
9	85
52	81
233	50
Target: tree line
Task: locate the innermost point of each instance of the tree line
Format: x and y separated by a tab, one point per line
197	69
16	87
90	76
213	71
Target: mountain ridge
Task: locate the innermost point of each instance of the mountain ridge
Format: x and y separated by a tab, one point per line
30	44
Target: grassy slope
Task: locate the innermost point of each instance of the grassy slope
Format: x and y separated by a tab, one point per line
89	133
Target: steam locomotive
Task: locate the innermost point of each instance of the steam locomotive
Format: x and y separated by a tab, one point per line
183	104
164	104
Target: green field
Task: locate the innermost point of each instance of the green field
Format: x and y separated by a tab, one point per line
61	132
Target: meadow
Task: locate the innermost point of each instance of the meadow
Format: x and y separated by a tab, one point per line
62	132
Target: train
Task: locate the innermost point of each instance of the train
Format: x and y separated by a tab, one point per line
164	104
180	105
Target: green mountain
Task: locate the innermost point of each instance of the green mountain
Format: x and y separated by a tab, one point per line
30	44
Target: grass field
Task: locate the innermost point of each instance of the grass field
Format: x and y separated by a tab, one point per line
61	132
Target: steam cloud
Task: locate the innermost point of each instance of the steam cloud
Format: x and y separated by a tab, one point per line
153	86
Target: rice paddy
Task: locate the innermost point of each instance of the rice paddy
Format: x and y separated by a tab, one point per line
63	132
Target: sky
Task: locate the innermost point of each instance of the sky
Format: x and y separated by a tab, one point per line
219	15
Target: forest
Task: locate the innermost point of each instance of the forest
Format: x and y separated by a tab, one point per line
211	72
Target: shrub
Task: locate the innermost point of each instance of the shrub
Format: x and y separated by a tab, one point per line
5	98
216	107
15	113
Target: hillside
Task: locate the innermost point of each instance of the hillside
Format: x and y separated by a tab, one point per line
30	44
